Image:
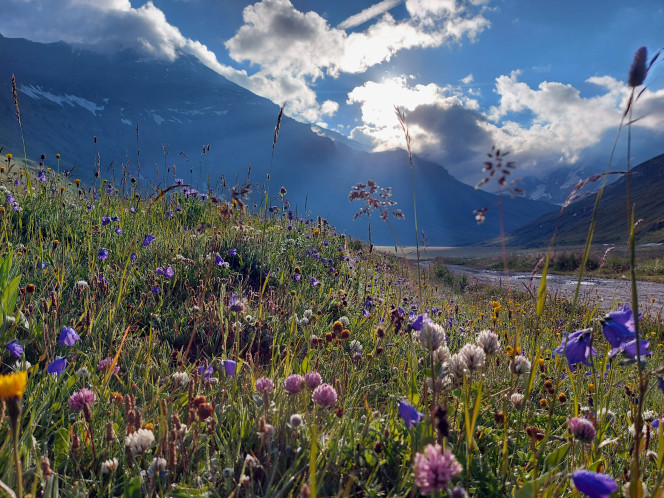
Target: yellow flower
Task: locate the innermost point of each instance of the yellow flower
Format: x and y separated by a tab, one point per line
9	157
13	385
77	182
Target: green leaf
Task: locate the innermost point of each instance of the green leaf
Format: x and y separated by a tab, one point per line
61	446
556	456
541	292
182	492
133	488
525	491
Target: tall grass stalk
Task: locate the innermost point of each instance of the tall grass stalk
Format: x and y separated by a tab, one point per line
401	116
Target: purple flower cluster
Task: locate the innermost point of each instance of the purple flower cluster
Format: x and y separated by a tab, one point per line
78	400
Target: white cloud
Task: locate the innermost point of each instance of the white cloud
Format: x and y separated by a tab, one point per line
293	49
109	25
550	124
468	79
369	13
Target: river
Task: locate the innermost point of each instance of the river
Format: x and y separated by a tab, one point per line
605	291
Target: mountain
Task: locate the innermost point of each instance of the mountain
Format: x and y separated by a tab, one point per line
121	109
647	185
556	185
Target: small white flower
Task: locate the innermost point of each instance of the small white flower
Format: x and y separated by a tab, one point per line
457	366
308	314
157	466
520	365
432	335
250	461
488	341
356	346
344	321
296	420
517	400
648	416
473	355
180	379
81	285
442	354
138	442
109	466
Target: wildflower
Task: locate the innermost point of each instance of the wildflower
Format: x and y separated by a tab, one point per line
435	469
582	429
105	364
488	341
103	254
324	395
313	379
409	414
237	304
156	289
520	365
118	231
473	356
219	261
105	220
81	285
139	441
419	322
15	349
109	466
180	379
229	366
432	335
57	367
442	354
12	386
294	383
639	70
232	252
68	337
314	282
295	420
78	400
576	347
619	328
264	385
149	239
594	484
457	366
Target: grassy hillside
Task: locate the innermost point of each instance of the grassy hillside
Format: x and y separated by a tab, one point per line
571	227
181	345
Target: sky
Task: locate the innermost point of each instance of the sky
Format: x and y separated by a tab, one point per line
542	79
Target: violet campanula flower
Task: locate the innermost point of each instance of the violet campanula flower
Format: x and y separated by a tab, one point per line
594	484
578	347
619	328
15	349
149	239
68	337
103	254
409	414
230	366
57	367
232	252
105	220
420	321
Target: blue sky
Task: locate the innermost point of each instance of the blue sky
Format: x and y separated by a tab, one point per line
544	79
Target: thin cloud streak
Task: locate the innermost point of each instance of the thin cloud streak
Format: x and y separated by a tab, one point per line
369	13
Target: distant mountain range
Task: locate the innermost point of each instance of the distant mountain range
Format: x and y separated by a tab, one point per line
68	96
647	193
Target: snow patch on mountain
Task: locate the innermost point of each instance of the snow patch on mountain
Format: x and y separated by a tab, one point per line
36	92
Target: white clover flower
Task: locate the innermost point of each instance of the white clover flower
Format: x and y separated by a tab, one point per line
180	379
109	466
473	355
442	354
22	365
250	461
296	420
432	335
81	285
308	314
356	347
157	466
517	400
648	416
457	366
344	321
520	365
488	341
139	441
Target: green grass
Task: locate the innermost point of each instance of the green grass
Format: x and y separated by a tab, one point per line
359	446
